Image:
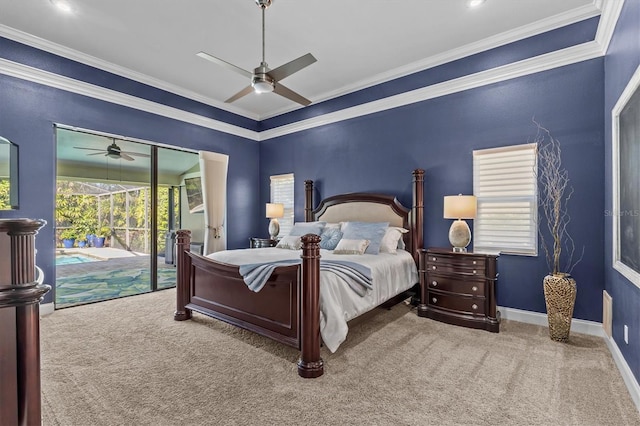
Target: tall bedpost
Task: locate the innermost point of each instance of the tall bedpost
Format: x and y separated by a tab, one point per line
308	200
183	244
310	365
417	213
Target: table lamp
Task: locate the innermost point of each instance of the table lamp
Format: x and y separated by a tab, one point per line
273	212
460	207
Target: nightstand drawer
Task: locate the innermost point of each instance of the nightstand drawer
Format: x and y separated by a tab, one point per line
456	261
453	285
460	269
457	303
262	242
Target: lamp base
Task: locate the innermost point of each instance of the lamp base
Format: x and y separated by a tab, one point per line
274	228
459	236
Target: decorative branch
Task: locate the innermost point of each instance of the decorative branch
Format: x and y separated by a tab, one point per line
553	198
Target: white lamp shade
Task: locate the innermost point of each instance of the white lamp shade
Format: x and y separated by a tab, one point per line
460	206
274	210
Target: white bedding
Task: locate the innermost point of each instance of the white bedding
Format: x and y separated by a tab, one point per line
391	273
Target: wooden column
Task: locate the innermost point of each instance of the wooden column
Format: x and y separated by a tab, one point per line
417	213
308	200
20	296
310	365
183	286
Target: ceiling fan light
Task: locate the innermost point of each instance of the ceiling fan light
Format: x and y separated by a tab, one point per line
261	86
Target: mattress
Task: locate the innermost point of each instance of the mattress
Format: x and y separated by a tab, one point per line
392	273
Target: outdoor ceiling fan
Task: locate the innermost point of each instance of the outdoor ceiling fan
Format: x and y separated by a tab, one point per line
114	151
263	79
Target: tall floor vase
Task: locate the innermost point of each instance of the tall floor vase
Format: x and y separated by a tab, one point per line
560	296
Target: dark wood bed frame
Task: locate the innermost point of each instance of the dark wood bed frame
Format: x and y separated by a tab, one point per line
287	309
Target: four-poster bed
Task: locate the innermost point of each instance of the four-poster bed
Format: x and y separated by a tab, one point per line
287	308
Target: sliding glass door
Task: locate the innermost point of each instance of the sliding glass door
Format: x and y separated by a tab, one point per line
117	209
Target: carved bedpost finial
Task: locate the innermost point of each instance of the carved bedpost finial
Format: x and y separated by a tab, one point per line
308	200
310	365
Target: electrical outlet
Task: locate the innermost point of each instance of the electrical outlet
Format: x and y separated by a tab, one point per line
626	334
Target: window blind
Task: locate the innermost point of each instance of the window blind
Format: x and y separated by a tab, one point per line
504	182
282	192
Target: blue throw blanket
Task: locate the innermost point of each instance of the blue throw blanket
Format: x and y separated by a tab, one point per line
357	276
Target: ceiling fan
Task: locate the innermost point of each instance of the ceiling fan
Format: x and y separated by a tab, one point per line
264	79
114	151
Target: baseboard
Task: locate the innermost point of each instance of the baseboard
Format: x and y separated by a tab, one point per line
46	308
577	325
585	327
625	371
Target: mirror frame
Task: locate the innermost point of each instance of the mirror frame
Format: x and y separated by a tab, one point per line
13	174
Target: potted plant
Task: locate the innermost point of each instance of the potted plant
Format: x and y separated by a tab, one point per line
554	193
101	234
68	237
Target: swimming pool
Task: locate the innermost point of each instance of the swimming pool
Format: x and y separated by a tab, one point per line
71	259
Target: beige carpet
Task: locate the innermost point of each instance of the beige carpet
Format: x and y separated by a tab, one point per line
126	362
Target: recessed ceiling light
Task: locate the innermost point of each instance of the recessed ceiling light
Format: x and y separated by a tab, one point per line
62	5
474	3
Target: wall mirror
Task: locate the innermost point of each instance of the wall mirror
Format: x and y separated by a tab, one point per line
8	174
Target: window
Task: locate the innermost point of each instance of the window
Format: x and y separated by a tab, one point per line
504	182
282	192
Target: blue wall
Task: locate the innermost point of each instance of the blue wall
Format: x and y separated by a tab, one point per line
376	153
27	114
621	61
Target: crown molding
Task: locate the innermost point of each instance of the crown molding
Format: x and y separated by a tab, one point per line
507	37
608	19
525	67
47	78
74	55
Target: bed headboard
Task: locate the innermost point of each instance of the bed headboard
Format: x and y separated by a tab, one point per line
366	207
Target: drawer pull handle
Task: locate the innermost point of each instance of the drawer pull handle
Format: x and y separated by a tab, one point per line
434	300
433	267
434	283
474	288
474	306
474	262
434	259
474	271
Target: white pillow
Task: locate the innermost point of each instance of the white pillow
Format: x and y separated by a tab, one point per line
391	240
290	242
346	246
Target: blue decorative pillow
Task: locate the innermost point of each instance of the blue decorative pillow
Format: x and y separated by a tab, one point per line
304	228
330	238
372	231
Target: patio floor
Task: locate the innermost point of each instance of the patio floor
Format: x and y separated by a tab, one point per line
115	273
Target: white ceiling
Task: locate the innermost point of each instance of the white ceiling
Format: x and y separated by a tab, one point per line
357	43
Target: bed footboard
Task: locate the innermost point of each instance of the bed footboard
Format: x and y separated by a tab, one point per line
287	309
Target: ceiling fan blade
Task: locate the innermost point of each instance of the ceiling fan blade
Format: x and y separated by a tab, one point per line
90	149
225	64
126	157
240	94
290	94
290	67
138	154
102	151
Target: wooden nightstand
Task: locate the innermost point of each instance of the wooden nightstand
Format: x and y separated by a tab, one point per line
459	288
262	242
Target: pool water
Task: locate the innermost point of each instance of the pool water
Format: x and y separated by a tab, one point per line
72	259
